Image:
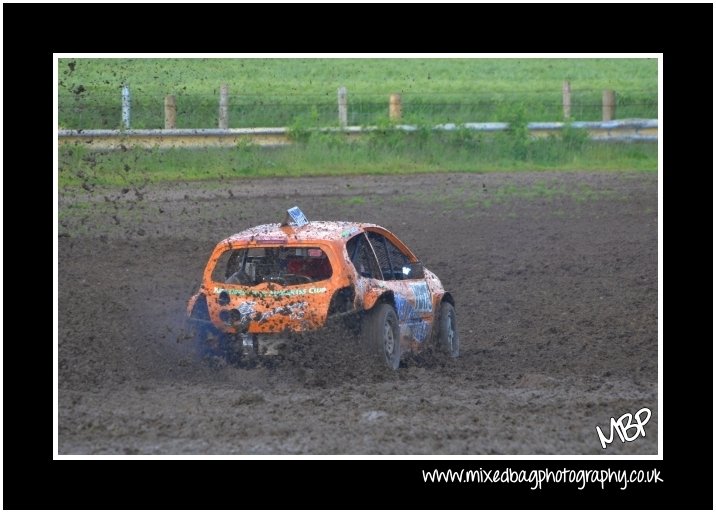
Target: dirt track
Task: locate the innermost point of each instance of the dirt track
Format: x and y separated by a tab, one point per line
554	275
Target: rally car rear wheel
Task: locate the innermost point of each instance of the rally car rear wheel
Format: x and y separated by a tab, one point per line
207	341
448	339
382	334
220	349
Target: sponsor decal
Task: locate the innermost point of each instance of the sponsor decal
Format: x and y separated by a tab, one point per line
247	308
410	323
347	233
271	293
423	302
295	311
403	307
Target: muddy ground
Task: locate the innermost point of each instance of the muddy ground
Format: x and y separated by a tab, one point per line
554	275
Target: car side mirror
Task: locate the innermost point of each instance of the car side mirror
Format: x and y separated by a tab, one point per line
413	271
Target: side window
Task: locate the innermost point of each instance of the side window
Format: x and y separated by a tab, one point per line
362	257
397	259
229	263
390	258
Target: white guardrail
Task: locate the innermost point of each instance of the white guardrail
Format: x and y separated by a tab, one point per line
623	130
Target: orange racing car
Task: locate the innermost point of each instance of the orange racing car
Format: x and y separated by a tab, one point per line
297	275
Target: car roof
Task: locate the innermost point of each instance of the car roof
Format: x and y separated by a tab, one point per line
315	230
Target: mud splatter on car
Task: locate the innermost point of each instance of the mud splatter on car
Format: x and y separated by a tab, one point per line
293	276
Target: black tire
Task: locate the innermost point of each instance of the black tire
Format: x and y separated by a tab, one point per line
213	346
208	342
448	338
382	334
206	339
220	349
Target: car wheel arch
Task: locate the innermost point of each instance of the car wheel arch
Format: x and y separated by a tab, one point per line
447	298
386	297
342	300
198	308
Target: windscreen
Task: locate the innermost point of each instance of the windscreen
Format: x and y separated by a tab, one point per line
281	265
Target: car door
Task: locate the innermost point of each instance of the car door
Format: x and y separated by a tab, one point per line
403	274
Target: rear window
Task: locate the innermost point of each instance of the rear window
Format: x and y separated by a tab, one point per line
285	266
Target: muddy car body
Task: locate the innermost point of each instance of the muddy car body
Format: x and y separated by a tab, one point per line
295	276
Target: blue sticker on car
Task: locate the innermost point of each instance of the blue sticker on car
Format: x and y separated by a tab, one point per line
411	323
423	303
420	330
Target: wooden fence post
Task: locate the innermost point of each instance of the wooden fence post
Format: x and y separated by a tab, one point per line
395	111
224	107
126	106
567	99
609	105
170	111
342	106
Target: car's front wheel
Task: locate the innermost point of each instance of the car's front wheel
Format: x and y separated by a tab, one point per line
448	339
382	334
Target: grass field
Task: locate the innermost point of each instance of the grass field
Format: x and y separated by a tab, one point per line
321	156
301	94
282	92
